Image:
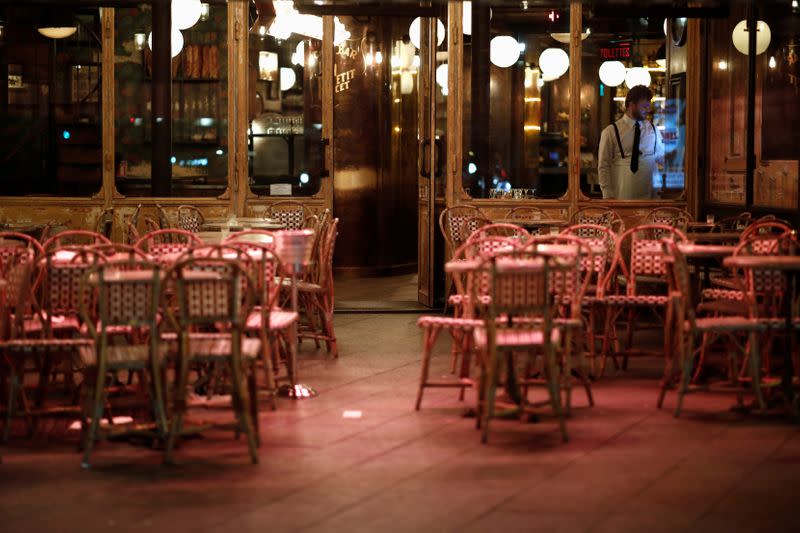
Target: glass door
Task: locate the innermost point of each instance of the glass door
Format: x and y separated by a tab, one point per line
433	86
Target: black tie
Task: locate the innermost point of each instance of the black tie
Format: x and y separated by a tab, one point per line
635	152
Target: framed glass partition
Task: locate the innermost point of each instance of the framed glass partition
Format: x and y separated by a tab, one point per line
286	150
516	101
619	53
50	132
199	103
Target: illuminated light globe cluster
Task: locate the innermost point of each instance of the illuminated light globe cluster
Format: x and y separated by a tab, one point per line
414	32
185	14
637	76
612	73
553	62
288	78
741	37
176	40
503	51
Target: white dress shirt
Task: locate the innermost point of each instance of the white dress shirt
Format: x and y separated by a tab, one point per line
614	174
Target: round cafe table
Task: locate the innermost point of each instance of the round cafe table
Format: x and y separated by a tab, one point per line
790	266
714	238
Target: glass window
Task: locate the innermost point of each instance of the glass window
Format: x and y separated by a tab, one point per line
778	131
619	54
50	132
199	153
516	101
727	112
284	135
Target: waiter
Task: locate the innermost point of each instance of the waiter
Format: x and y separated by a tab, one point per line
629	150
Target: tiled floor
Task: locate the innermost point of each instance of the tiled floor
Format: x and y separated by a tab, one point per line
627	467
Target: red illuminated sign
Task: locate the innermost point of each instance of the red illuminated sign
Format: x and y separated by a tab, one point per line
621	51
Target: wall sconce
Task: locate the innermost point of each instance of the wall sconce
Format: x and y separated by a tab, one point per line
267	66
204	11
368	49
138	40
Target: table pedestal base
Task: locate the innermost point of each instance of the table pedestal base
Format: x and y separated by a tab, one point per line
296	392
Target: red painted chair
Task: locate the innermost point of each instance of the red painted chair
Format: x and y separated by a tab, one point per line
636	282
164	244
51	338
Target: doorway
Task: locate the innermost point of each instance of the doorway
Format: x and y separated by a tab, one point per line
387	161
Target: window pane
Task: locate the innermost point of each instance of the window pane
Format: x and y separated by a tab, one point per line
778	68
199	104
516	116
285	110
618	54
50	132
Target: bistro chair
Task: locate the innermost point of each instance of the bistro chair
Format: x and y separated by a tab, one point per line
267	319
291	214
518	321
131	227
119	253
457	223
598	216
190	218
127	297
11	241
210	296
50	339
774	228
166	244
674	217
605	239
636	282
163	218
316	292
569	284
742	333
151	224
105	223
74	237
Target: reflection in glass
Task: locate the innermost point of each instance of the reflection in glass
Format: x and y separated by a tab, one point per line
516	102
778	82
285	111
50	132
199	104
618	54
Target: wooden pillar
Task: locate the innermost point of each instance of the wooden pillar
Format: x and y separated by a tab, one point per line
750	141
479	102
576	28
161	114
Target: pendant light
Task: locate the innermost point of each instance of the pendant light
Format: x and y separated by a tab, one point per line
57	23
741	37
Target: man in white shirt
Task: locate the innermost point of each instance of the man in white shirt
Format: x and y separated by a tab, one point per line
629	150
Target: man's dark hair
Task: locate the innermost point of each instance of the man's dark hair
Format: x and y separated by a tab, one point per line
638	93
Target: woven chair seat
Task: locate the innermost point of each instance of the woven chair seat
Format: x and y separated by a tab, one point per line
460	299
58	323
724	307
41	345
724	282
723	294
643	299
515	338
278	320
123	354
457	324
727	324
215	345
